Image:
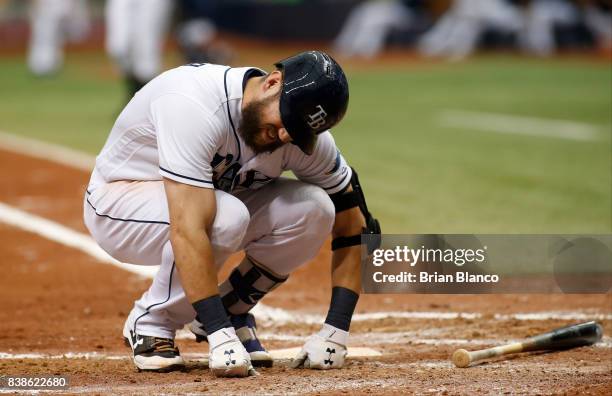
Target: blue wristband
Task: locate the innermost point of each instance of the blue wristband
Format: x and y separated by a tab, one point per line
212	314
341	308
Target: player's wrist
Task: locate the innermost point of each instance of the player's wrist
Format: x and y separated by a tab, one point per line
222	336
333	334
341	308
211	313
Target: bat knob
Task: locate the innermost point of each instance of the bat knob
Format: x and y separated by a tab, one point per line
461	358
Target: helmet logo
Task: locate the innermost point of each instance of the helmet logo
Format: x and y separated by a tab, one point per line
318	119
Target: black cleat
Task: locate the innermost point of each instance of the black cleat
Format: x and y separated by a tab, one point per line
154	353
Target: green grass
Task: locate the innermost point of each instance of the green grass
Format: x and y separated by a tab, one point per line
419	176
76	108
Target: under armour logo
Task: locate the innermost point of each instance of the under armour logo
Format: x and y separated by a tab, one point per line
331	351
229	357
318	119
135	340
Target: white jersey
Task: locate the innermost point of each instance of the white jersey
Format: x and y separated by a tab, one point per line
184	125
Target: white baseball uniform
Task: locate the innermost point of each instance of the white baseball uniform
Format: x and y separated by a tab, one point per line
183	126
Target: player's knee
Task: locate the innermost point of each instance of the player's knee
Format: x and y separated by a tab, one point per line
318	211
231	223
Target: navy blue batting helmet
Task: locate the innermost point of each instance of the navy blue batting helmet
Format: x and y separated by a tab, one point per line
314	96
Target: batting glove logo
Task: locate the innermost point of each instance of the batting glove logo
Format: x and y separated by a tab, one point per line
331	351
229	357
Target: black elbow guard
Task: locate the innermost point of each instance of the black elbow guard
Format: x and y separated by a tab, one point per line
347	200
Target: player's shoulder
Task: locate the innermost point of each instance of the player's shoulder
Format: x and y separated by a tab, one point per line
199	83
193	73
221	74
216	82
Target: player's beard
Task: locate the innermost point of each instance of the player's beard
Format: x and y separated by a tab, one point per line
251	127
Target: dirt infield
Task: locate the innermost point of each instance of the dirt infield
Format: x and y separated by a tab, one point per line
62	313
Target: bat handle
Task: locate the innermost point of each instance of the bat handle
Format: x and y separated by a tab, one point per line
463	358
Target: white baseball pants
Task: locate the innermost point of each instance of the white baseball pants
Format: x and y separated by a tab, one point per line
281	226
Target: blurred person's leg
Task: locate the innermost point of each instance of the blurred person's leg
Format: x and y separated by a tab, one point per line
501	15
194	36
543	15
434	41
368	25
135	33
457	32
78	23
497	15
197	33
45	54
153	17
599	21
118	19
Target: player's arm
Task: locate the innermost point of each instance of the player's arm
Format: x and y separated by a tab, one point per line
184	155
187	137
192	211
346	263
327	349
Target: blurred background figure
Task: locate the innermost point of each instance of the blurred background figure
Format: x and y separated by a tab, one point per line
598	18
542	17
52	23
197	33
368	25
135	34
459	30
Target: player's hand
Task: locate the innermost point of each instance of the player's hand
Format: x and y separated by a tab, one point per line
227	356
324	350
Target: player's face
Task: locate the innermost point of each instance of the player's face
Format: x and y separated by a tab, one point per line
261	126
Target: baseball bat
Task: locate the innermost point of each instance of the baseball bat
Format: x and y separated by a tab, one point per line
580	334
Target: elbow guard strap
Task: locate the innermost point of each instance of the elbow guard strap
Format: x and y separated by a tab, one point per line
373	227
347	200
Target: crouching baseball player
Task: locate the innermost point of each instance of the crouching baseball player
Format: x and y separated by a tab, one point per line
191	173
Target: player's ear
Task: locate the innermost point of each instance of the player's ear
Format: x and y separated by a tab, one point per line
284	136
273	81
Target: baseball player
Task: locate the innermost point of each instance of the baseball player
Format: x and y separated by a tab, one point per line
191	173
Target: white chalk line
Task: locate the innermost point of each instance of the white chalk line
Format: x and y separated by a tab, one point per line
289	353
282	316
66	236
389	338
277	354
58	233
47	151
521	125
